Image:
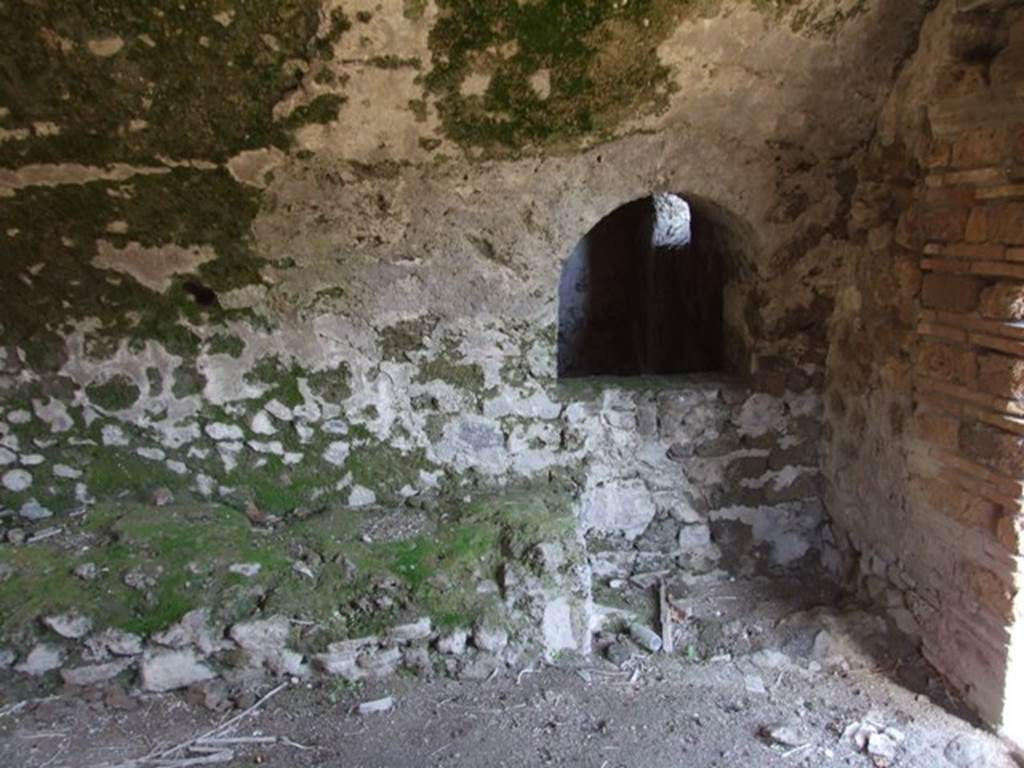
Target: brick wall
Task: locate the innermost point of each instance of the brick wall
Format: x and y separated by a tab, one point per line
966	446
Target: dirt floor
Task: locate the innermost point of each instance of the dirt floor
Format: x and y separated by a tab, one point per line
761	677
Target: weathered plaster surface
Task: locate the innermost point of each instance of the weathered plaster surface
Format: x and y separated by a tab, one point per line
305	256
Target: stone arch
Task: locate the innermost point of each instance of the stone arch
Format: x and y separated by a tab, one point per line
645	291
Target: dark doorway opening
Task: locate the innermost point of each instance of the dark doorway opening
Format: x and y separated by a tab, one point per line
641	293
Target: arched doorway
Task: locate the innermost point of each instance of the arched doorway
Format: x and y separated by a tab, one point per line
641	293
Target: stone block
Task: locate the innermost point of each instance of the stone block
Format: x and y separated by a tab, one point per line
946	196
1008	533
945	224
1001	375
992	446
967	509
938	153
981	251
977	225
803	455
170	670
990	590
982	146
745	467
1003	301
937	428
625	507
948	362
951	293
907	225
1006	223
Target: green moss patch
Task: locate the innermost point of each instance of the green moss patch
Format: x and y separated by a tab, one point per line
468	376
405	336
155	564
115	394
600	54
60	226
385	469
203	90
112	472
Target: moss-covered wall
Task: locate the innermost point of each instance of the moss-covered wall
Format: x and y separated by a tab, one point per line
304	253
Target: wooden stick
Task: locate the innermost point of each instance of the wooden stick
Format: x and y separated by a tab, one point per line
667	638
164	757
218	757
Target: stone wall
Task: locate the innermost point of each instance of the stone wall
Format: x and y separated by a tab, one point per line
301	258
697	475
312	298
924	461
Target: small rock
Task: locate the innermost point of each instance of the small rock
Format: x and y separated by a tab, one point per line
245	569
6	571
417	658
882	747
33	510
7	658
94	673
340	658
211	695
41	659
406	633
170	670
192	629
278	410
119	643
361	496
86	571
487	587
341	665
65	472
136	578
859	733
645	637
489	638
118	699
969	751
161	497
255	514
784	734
481	667
17	480
382	663
105	47
754	684
16	536
453	643
262	425
70	625
302	569
221	431
376	706
262	639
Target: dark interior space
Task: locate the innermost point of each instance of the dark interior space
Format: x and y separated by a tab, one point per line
642	294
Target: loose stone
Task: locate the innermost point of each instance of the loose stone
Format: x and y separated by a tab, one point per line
170	670
376	706
489	638
41	659
69	625
17	480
